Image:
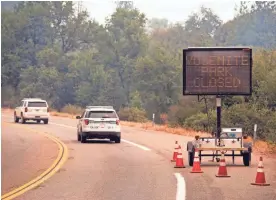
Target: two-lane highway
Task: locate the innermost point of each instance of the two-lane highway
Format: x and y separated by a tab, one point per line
103	170
139	168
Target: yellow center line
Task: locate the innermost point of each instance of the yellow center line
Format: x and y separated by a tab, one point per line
58	163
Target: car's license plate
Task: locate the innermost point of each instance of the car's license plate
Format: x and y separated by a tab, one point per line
37	116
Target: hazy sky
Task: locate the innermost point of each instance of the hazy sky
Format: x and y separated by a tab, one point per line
173	10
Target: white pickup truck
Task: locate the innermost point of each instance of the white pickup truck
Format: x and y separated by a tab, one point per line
34	109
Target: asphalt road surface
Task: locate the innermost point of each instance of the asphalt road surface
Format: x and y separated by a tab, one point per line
139	168
25	156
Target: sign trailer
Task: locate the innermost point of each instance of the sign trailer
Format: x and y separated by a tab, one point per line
219	71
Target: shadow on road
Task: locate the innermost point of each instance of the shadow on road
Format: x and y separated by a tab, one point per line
28	123
94	142
35	123
228	165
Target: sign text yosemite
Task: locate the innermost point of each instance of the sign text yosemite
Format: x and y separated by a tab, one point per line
217	71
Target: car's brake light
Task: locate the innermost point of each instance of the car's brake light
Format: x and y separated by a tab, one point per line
86	121
117	122
48	109
26	109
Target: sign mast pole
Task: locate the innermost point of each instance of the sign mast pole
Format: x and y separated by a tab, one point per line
218	104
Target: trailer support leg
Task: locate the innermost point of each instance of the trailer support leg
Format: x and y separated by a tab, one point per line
213	156
199	156
233	156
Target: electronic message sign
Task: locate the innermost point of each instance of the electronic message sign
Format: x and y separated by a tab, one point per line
217	71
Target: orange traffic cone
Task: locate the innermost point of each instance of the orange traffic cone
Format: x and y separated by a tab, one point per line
222	172
260	177
179	159
196	164
175	152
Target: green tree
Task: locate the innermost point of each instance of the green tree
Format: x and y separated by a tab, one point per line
88	77
254	25
202	26
158	75
125	43
39	82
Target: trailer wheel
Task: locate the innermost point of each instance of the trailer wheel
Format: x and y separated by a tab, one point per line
246	159
191	158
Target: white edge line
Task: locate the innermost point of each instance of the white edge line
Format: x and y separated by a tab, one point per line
126	141
181	187
137	145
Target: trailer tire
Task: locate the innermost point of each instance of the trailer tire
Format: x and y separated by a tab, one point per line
191	158
246	159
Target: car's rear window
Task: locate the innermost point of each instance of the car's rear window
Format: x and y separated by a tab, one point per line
37	104
101	114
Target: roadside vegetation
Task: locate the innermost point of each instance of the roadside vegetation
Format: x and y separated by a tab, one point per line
54	51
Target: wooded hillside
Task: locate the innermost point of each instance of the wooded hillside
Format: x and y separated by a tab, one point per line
53	51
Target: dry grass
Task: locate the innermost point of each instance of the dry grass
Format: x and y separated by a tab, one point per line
58	114
263	148
260	147
165	128
52	113
6	110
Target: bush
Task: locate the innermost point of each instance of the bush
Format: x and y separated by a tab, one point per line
245	116
187	107
269	132
9	98
239	115
199	121
132	114
73	110
164	118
